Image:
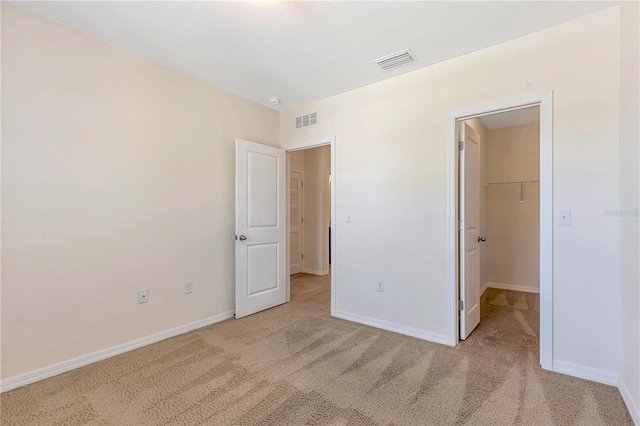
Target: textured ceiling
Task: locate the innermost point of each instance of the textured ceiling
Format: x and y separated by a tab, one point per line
303	51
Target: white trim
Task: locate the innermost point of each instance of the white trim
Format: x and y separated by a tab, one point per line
310	144
587	373
331	141
392	326
288	196
512	287
452	229
314	271
629	402
546	230
84	360
545	101
484	288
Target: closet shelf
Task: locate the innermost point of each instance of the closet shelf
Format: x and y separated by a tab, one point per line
519	182
513	182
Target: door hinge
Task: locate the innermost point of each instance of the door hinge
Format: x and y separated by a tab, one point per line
461	305
302	184
302	255
236	238
461	146
460	225
302	220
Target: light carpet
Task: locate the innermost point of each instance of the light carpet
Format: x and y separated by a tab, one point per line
296	365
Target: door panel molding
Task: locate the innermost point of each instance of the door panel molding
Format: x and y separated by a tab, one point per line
261	219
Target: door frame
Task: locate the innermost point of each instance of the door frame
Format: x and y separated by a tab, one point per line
545	102
331	141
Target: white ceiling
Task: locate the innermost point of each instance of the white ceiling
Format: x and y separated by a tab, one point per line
304	51
512	118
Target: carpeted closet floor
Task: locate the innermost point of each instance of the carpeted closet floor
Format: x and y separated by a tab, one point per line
296	365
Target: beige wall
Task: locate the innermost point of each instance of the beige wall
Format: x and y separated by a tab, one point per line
117	174
513	227
391	156
630	200
316	218
296	161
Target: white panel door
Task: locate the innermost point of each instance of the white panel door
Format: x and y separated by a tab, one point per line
261	218
469	241
295	225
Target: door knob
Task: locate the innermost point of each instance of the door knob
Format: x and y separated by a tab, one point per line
483	239
242	238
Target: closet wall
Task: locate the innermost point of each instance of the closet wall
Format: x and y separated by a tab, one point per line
512	212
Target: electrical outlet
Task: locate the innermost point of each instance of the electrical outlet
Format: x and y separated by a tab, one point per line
380	285
143	295
188	287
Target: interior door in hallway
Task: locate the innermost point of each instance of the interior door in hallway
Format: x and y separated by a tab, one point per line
469	234
296	221
261	227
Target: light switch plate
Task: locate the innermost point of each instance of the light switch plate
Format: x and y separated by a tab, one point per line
564	217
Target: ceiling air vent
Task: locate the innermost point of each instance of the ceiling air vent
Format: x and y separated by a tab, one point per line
396	59
307	120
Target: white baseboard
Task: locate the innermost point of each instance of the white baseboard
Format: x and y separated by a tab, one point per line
588	373
81	361
484	288
629	402
512	287
391	326
315	271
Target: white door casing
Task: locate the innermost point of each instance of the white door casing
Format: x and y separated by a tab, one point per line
261	226
296	227
330	141
545	101
469	234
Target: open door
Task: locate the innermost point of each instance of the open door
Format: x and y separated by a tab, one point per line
261	226
469	230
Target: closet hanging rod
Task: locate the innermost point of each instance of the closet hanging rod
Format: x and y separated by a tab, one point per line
513	182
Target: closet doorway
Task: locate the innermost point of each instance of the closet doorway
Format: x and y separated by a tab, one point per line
500	236
501	263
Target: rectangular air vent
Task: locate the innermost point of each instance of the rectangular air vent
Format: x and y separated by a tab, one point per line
307	120
396	59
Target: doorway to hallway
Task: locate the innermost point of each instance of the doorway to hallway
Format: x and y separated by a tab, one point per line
311	243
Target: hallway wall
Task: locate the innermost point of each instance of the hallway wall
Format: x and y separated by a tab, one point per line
317	165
